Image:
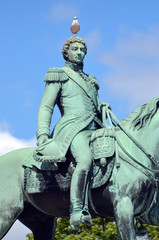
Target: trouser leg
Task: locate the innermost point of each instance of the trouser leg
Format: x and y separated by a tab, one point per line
80	179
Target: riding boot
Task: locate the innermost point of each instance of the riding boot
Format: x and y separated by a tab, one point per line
79	199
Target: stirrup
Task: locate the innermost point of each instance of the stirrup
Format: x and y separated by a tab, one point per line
80	217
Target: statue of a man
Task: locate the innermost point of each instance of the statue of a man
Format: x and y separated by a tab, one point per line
76	95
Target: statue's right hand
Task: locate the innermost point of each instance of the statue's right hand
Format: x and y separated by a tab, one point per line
42	139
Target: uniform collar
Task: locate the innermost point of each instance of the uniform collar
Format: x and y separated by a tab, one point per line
74	66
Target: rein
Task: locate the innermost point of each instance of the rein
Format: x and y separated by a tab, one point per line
113	119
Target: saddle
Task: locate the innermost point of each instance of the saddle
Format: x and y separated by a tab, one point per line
42	177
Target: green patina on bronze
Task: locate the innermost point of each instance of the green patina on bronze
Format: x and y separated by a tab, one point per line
120	164
76	95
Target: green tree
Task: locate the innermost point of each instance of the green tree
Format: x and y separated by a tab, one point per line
85	232
152	232
29	236
96	231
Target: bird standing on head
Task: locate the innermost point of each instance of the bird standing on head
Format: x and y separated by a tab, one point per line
75	27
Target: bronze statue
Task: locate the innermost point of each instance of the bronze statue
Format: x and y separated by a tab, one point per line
129	192
76	95
123	163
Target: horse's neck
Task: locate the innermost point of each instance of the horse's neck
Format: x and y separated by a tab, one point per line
147	137
152	136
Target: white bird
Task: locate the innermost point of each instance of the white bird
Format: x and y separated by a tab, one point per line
75	27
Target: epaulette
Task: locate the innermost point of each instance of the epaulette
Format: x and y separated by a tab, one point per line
94	81
55	75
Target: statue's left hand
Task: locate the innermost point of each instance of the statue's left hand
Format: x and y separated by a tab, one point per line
42	139
106	105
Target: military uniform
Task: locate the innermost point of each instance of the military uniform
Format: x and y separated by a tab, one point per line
78	103
76	95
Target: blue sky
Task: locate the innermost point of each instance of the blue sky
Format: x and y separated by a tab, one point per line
123	53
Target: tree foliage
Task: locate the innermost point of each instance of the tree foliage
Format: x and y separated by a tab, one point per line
152	232
96	231
29	236
85	232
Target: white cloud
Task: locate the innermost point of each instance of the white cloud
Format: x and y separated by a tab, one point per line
9	143
18	231
134	67
61	12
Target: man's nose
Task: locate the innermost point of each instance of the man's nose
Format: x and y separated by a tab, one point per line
79	52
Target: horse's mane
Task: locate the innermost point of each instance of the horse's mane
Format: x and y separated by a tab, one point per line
142	116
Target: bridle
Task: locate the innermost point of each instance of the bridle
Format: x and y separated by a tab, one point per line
114	122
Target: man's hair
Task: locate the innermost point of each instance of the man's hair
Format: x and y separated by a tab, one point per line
69	42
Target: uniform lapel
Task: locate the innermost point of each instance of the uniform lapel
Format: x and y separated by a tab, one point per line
86	86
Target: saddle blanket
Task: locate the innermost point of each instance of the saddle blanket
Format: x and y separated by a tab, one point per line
38	177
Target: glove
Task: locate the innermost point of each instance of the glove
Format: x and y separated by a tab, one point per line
106	105
42	139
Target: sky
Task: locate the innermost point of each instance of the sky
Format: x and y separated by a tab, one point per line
123	53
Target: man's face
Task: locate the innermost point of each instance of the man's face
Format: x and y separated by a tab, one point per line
76	53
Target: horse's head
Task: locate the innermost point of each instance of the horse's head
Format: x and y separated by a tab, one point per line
143	125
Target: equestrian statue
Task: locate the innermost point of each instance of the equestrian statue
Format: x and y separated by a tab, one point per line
84	168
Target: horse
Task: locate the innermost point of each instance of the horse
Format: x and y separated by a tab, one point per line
130	193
